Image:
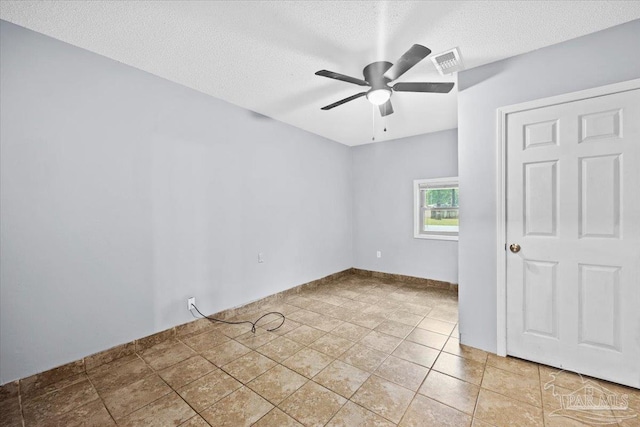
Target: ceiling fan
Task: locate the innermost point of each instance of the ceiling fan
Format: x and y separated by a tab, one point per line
378	75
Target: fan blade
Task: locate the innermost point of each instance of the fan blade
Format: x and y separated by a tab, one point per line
423	87
342	101
411	57
386	108
338	76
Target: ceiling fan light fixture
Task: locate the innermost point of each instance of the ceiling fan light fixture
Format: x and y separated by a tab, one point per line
378	96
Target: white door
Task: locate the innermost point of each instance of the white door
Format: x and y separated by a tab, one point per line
573	207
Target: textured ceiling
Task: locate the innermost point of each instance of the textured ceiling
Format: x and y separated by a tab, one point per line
262	55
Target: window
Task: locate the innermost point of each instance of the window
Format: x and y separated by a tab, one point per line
436	208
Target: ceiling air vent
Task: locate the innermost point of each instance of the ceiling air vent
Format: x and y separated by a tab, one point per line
448	62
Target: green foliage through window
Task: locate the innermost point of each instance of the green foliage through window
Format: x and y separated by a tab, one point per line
436	208
442	197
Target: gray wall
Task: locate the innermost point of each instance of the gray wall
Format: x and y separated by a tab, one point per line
383	175
597	59
122	194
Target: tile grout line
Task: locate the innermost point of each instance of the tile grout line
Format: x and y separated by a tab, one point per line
386	318
153	371
480	389
404	413
373	373
369	410
307	379
22	420
503	393
544	421
455	378
417	392
334	359
171	387
329	390
101	399
387	357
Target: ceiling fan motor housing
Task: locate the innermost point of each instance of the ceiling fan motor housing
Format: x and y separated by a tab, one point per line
374	74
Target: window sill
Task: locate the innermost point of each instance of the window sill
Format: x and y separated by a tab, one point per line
435	237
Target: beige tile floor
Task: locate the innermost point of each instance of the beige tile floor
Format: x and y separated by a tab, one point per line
356	352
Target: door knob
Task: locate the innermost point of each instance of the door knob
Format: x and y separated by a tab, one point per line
515	248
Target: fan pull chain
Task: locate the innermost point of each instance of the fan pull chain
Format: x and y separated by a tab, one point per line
373	122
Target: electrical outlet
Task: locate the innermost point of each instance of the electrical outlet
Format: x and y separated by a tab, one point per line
191	302
260	257
379	254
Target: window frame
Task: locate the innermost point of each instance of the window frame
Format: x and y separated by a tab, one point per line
435	183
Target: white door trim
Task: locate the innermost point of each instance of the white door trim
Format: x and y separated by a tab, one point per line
501	246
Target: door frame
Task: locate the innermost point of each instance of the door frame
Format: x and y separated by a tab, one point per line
501	187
